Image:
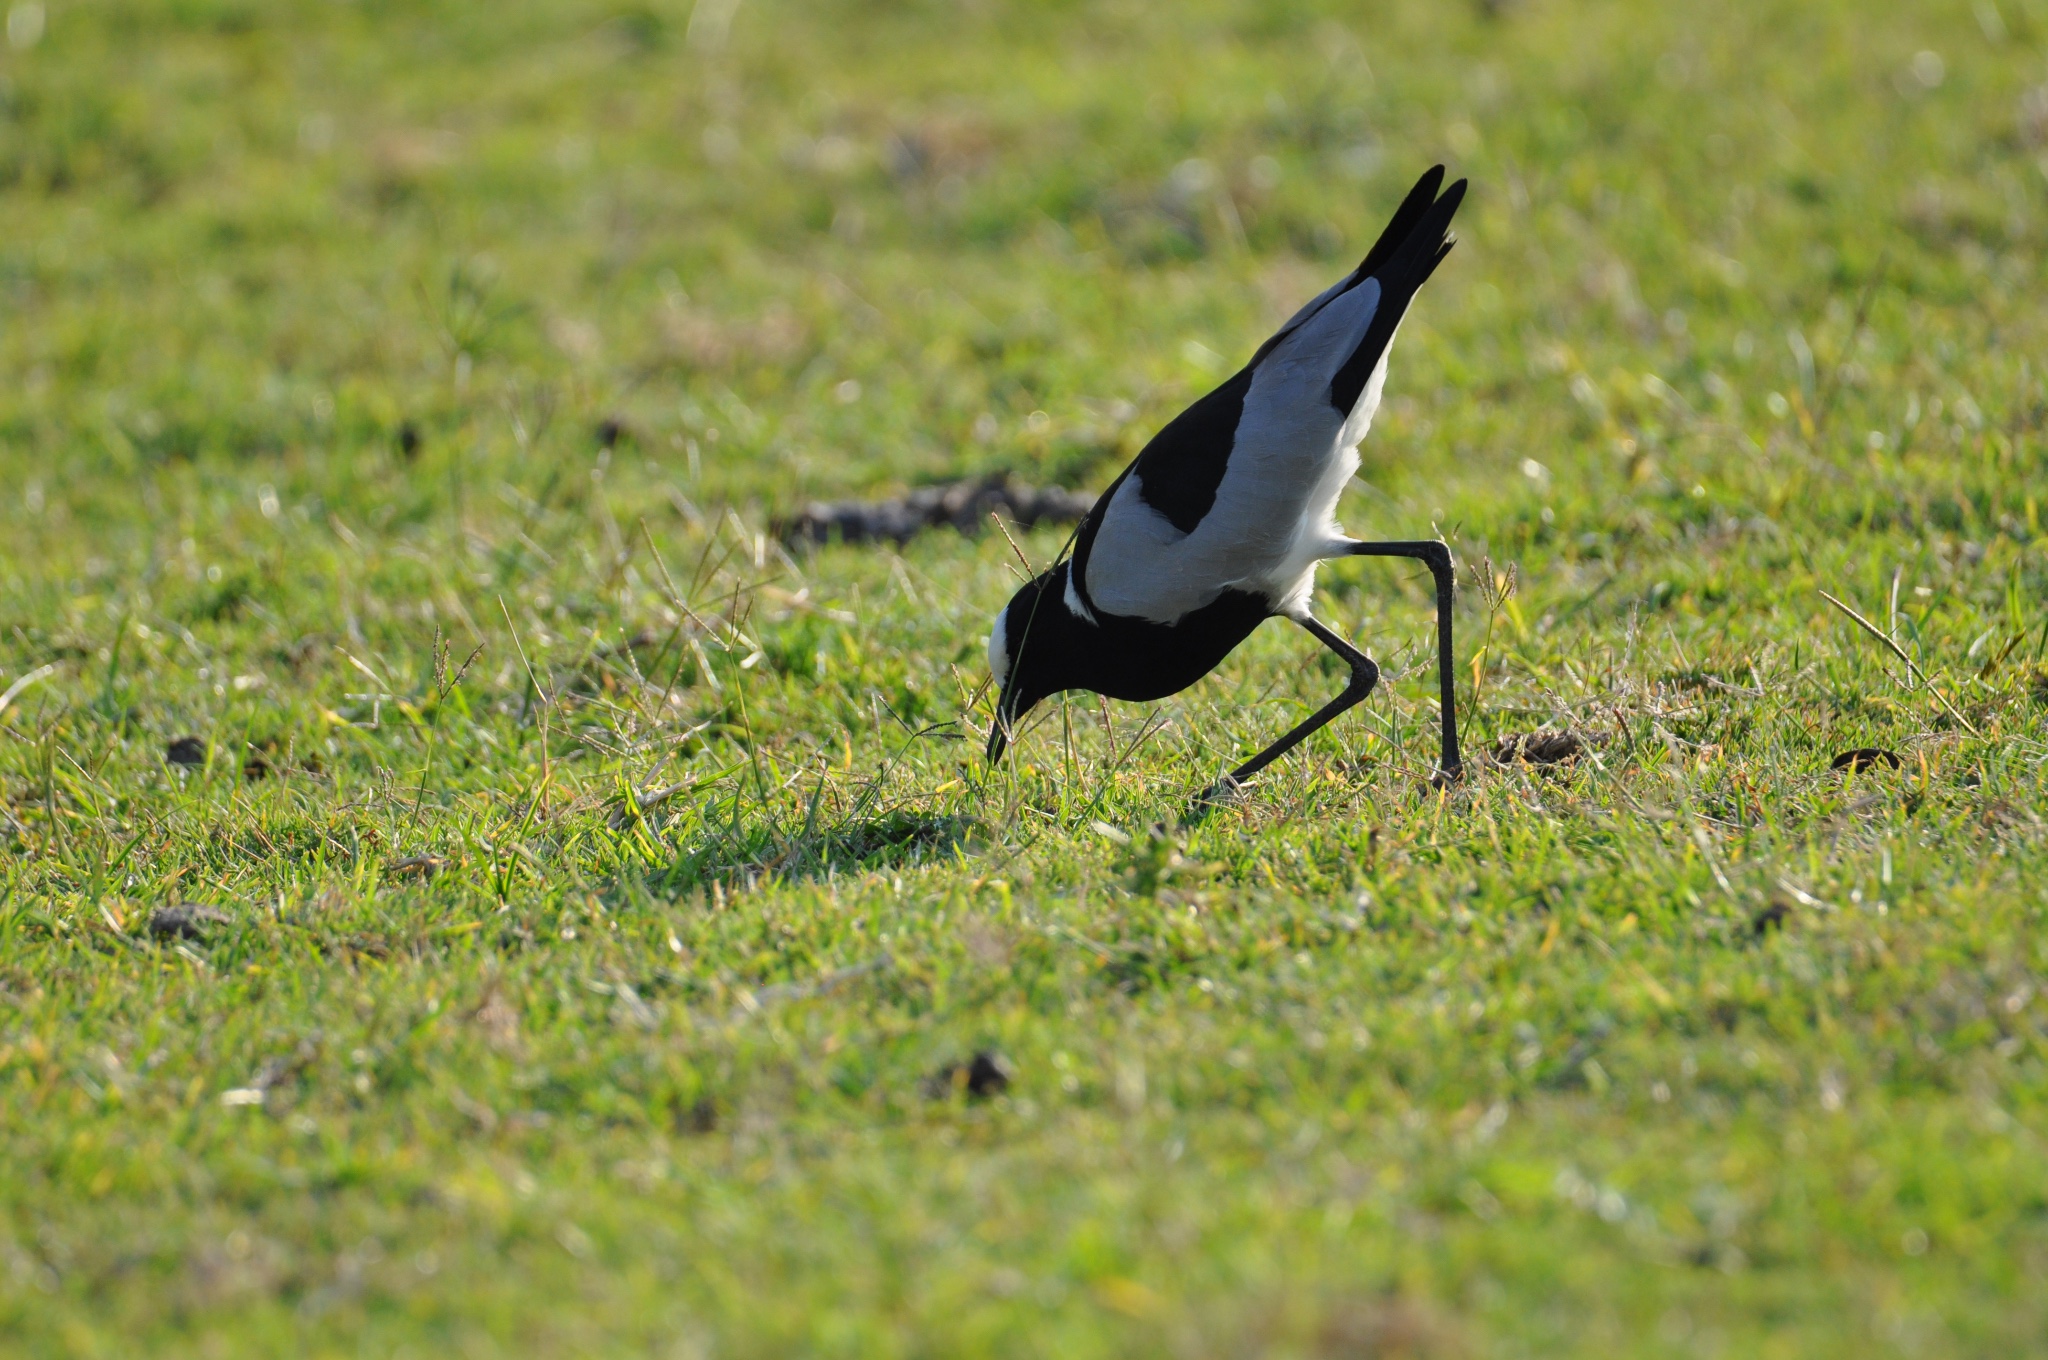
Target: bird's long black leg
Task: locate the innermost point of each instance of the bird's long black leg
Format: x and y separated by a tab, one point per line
1364	675
1438	558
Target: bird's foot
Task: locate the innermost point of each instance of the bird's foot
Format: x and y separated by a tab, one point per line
1225	792
1445	776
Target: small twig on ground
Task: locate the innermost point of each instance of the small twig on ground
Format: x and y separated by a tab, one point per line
14	690
634	804
1919	678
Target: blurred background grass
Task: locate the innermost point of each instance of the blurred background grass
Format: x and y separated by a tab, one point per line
868	245
326	328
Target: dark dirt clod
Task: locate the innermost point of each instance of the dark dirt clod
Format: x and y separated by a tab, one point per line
1863	757
963	505
255	768
409	440
426	866
185	921
186	751
984	1075
1769	919
987	1075
1539	748
700	1116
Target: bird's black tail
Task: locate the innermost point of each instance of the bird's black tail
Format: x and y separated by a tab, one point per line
1402	225
1404	257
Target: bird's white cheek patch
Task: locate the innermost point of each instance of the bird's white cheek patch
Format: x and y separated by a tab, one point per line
999	650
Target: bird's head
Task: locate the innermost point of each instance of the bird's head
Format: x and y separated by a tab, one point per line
1034	649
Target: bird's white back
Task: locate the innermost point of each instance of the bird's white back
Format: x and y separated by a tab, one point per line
1274	514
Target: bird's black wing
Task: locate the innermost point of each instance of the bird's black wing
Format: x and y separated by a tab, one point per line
1179	470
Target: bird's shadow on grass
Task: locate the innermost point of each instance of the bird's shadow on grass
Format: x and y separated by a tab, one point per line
745	855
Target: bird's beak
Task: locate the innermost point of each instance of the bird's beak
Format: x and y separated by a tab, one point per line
1005	724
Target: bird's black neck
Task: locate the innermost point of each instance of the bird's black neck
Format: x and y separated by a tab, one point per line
1123	657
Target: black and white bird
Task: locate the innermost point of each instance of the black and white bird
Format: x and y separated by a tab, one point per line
1219	522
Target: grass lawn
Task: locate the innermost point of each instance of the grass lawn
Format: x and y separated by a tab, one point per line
592	911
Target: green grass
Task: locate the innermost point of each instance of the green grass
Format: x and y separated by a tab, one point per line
309	313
